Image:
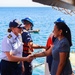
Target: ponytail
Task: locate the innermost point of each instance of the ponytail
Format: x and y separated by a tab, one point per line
9	30
68	35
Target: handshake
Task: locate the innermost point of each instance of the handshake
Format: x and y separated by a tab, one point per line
33	56
29	58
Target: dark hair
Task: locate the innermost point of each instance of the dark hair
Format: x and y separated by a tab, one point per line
65	31
53	39
9	30
27	22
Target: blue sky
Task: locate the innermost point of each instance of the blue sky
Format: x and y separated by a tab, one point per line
20	3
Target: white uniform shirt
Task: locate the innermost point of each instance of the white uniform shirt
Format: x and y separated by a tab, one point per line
13	45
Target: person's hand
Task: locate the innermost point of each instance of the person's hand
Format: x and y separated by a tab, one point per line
30	58
51	46
23	68
34	56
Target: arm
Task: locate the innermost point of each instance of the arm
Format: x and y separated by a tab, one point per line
63	57
27	38
45	53
11	57
23	68
35	46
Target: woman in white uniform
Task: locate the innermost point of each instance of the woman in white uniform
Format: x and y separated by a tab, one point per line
12	48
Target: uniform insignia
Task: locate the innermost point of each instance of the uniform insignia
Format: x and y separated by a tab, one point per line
9	36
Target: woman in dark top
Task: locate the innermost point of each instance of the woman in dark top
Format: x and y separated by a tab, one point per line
60	50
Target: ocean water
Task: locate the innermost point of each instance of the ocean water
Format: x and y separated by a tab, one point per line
43	18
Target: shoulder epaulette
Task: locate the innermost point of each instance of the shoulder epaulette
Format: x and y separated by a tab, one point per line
9	36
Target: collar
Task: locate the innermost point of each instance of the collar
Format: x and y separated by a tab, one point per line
24	30
13	35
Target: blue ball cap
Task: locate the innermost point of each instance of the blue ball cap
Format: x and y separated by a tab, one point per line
16	23
27	19
60	20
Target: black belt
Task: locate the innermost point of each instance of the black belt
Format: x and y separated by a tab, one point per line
11	62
